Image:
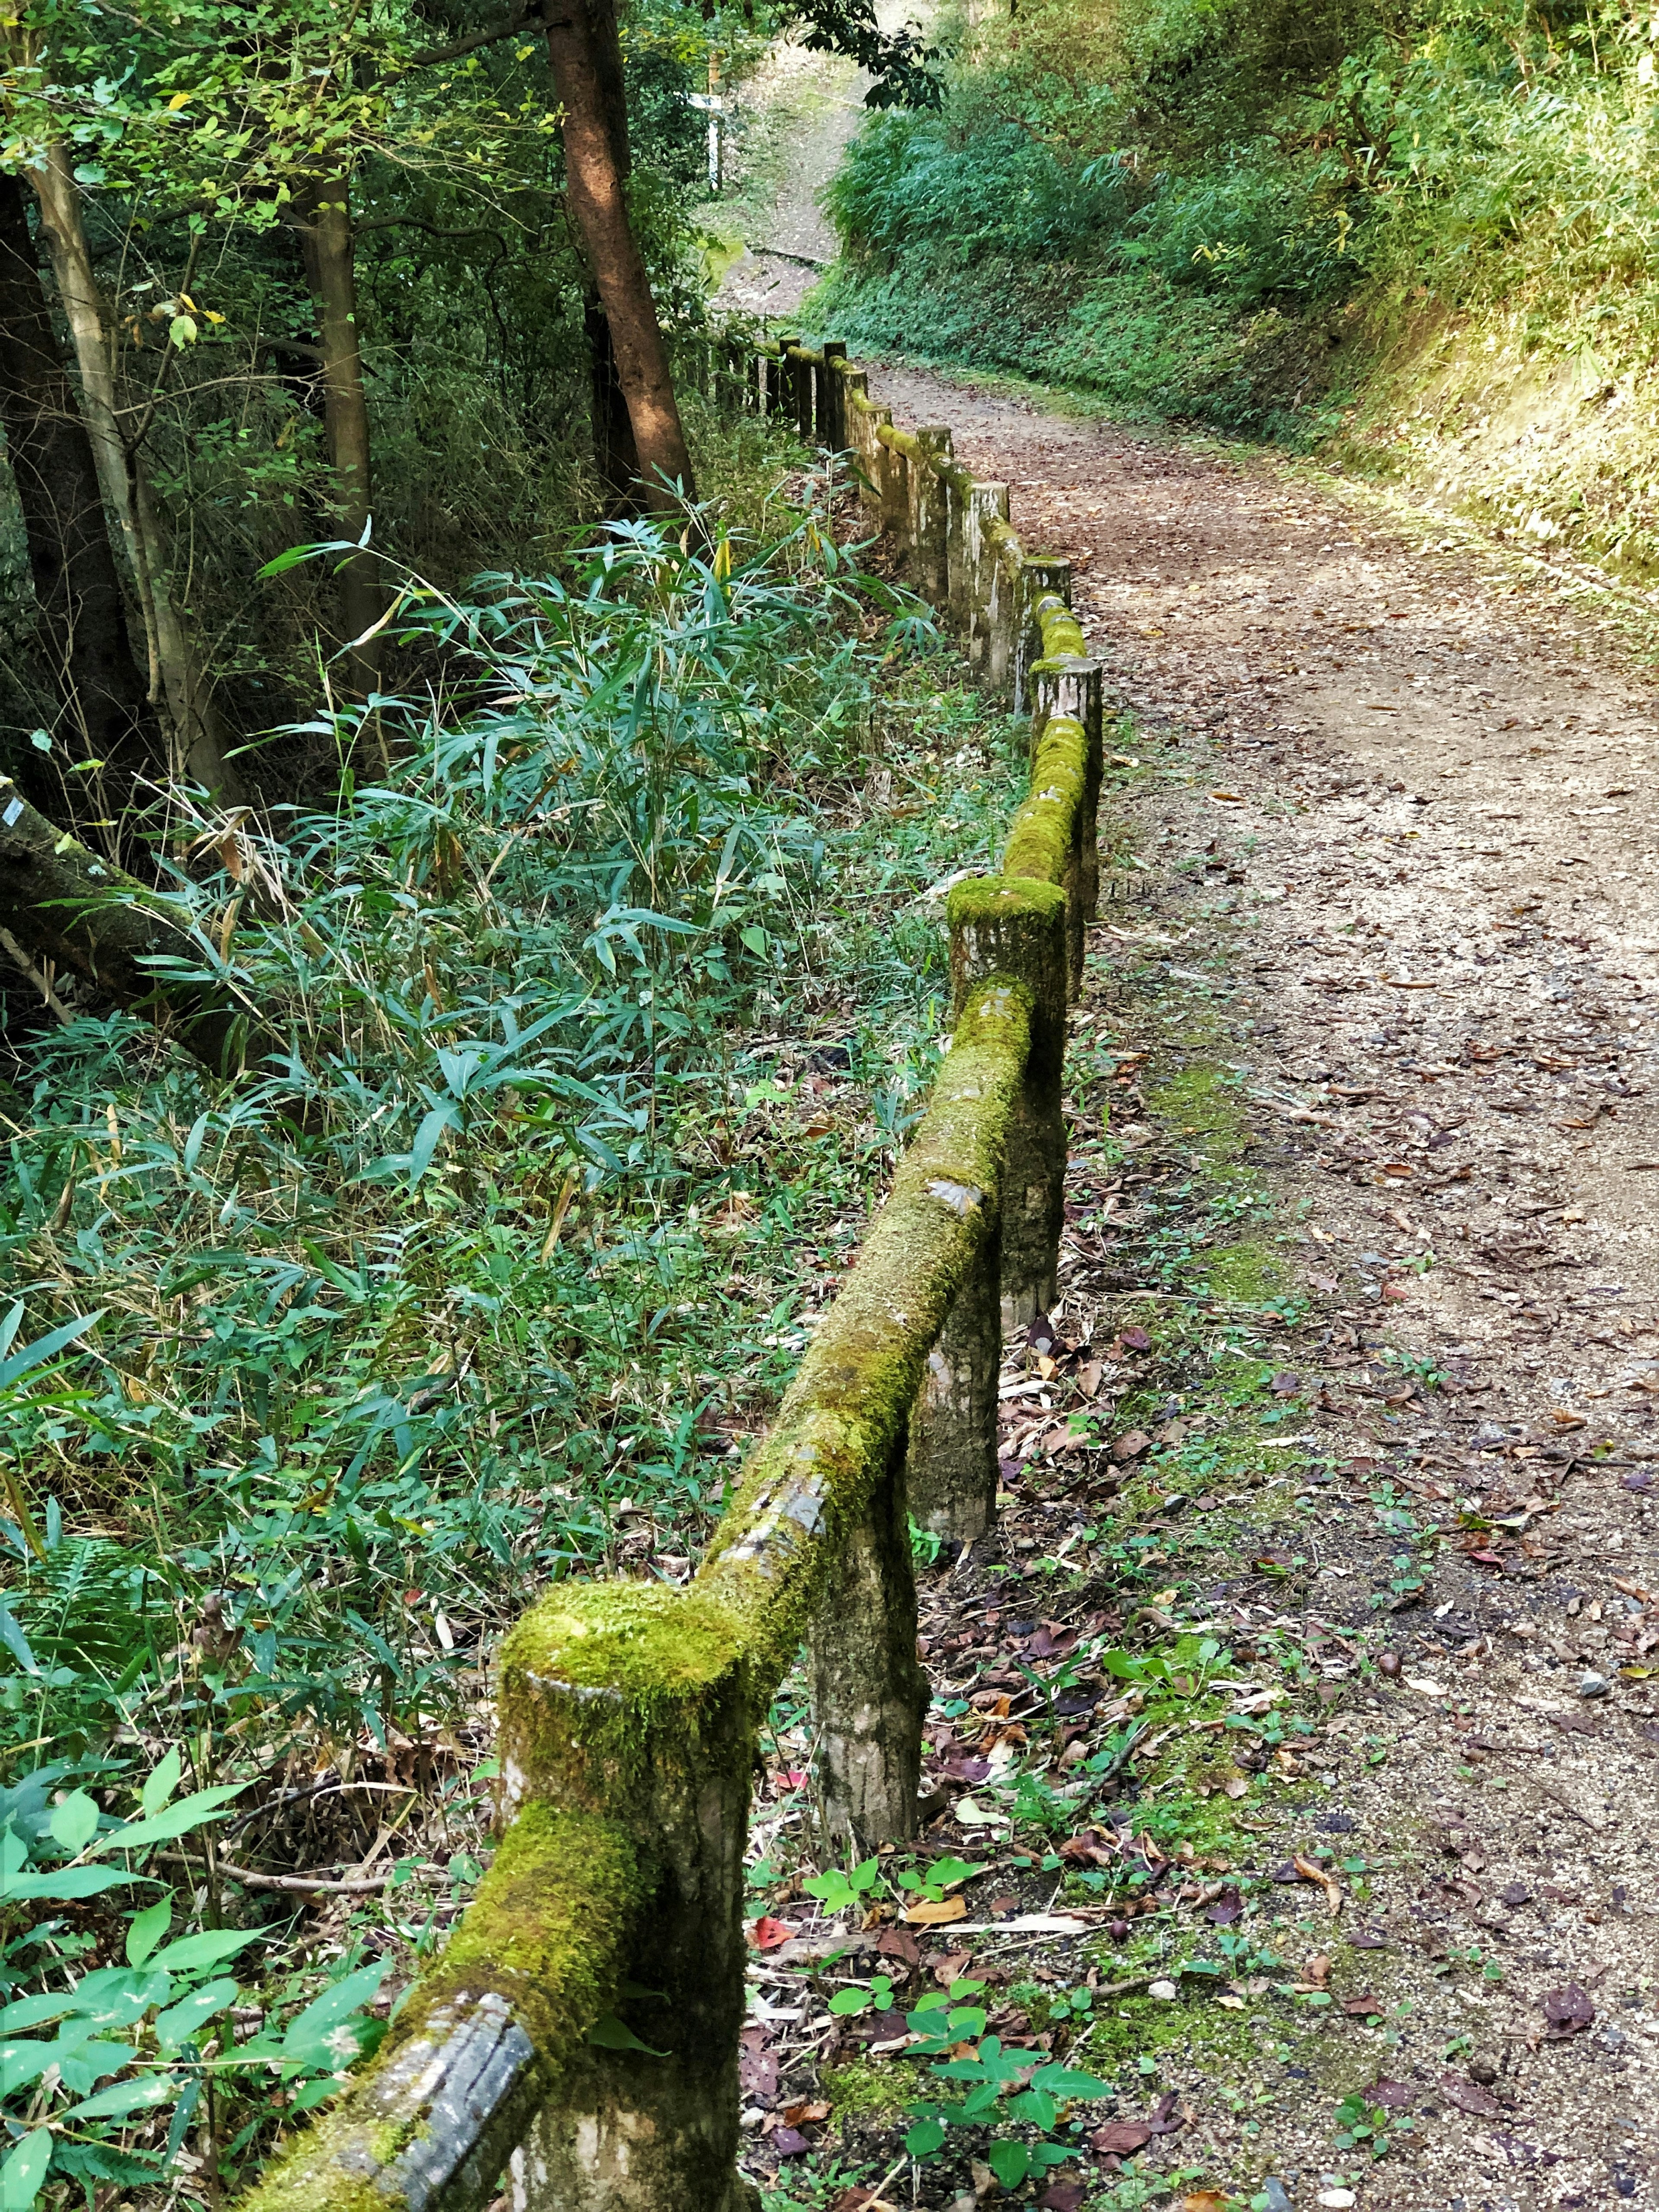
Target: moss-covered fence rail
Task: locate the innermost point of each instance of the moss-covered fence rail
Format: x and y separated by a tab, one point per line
630	1711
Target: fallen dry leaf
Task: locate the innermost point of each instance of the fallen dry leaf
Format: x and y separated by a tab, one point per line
1310	1871
765	1935
1468	2098
934	1912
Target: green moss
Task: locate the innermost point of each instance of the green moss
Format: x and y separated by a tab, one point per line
1201	1100
843	1417
1136	2027
642	1644
550	1928
995	899
1249	1272
1040	842
864	2087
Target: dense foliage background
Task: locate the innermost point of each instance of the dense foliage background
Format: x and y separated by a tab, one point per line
1207	207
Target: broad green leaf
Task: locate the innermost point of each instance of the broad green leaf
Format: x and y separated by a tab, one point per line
192	1952
184	2019
1010	2162
162	1784
64	1886
24	2171
115	1996
319	2035
191	1812
36	2011
144	1933
1067	2082
849	2000
925	2138
22	2061
45	1347
613	2034
75	1822
121	2098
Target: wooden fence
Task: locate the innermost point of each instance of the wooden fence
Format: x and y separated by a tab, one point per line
630	1711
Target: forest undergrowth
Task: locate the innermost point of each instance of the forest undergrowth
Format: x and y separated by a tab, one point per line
605	999
1411	238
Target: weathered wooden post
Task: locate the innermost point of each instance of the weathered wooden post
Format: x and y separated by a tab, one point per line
1039	575
800	390
977	515
930	514
634	1700
953	1473
1003	925
832	397
1069	687
872	460
869	1693
895	484
1001	602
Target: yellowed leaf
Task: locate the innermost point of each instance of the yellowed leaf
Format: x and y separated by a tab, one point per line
933	1912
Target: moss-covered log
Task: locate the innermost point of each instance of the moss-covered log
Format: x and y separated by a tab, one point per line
66	907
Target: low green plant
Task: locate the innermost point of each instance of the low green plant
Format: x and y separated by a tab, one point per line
1003	2087
149	2028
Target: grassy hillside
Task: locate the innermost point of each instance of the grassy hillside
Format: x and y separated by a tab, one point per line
1417	234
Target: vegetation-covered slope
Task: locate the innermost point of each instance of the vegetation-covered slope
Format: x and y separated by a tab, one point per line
1423	230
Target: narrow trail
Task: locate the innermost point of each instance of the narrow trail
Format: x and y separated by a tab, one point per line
1383	826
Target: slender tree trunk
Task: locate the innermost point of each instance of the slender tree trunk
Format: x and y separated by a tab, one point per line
175	673
77	588
614	454
579	42
329	244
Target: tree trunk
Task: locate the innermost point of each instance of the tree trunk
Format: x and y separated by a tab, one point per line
83	620
175	673
614	452
329	245
579	45
68	908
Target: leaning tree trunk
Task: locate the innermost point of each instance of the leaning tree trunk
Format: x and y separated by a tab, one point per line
329	245
62	907
175	672
77	588
578	45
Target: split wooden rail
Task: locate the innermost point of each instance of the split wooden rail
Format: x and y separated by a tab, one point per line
580	2028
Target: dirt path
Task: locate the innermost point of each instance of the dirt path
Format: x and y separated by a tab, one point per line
1383	817
1356	1354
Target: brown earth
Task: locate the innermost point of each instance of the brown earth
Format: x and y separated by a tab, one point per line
1382	876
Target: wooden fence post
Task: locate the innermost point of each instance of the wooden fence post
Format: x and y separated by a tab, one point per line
1038	576
1007	926
895	480
1077	693
634	1698
930	515
869	1693
832	397
973	570
953	1471
800	386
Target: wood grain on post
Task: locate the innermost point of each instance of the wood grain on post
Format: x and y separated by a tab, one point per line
869	1693
633	1701
832	389
1004	927
930	515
